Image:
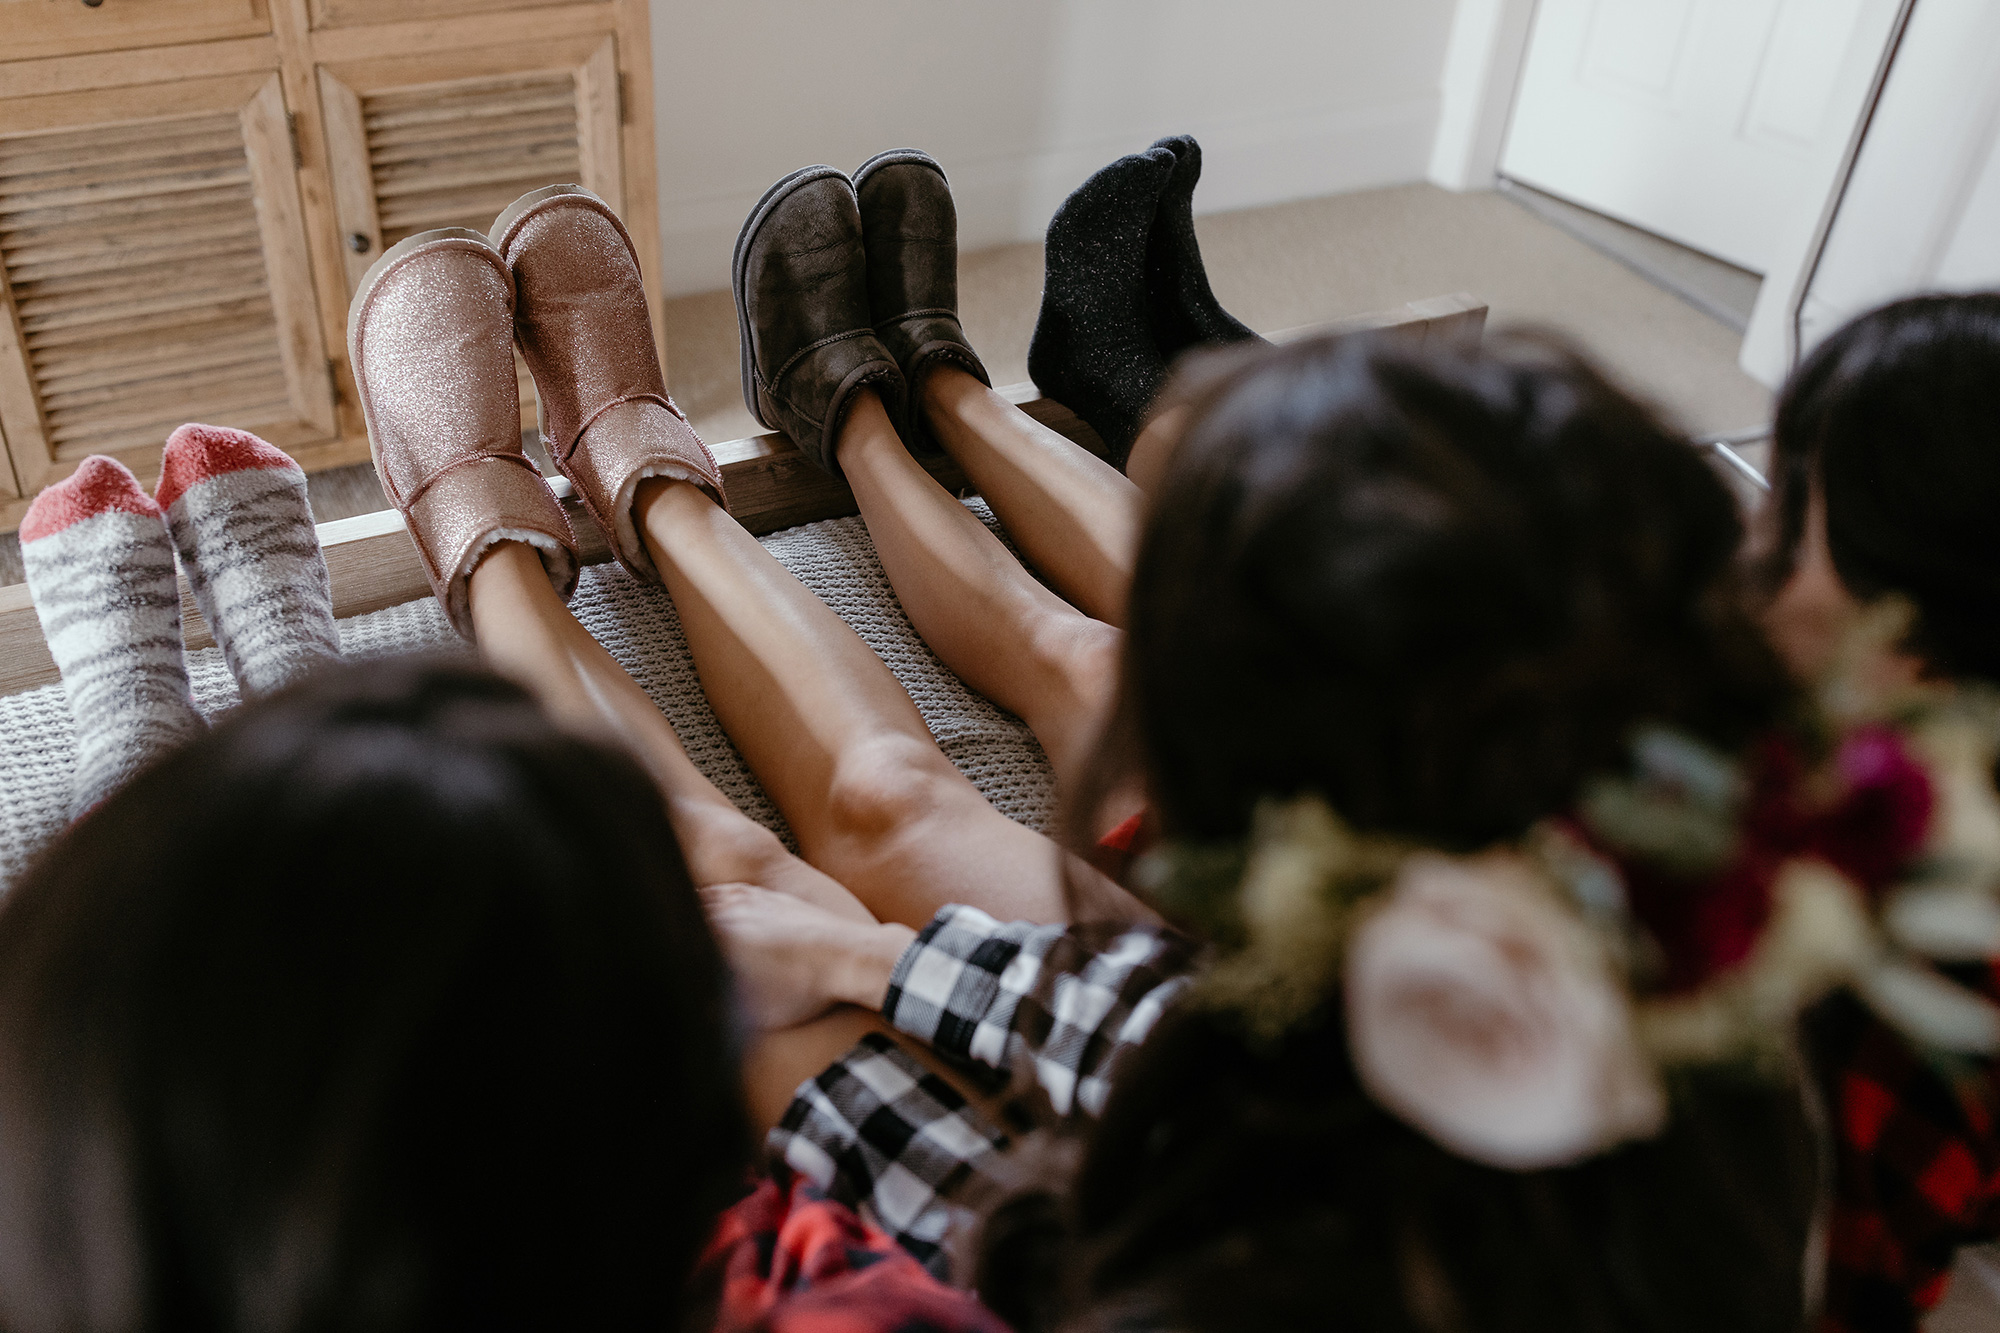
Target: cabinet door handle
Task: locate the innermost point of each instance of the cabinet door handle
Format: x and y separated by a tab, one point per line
92	4
357	242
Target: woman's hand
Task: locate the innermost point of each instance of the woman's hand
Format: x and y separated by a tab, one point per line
794	960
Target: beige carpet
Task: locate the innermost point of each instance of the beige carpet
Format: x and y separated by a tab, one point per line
1291	264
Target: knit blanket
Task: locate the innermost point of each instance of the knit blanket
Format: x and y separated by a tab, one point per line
637	623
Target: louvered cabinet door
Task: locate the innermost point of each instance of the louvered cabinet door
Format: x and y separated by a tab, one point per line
153	268
450	139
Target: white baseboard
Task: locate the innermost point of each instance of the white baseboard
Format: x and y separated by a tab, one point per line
1245	164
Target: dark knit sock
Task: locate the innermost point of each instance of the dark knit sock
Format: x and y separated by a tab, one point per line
1184	312
1093	349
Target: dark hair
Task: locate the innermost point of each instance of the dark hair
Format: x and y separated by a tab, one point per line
1441	591
1896	418
1236	1183
386	1005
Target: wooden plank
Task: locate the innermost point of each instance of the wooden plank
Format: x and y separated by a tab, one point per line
24	658
121	245
81	291
452	36
137	102
267	143
372	563
10	485
641	209
23	77
347	165
28	448
558	45
162	361
598	141
1437	321
326	243
96	159
343	452
351	13
399	152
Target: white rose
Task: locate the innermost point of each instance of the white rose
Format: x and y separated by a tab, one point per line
1486	1015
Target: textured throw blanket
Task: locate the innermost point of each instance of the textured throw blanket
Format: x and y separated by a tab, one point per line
638	625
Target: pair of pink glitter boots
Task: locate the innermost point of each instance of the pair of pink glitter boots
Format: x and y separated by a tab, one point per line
431	334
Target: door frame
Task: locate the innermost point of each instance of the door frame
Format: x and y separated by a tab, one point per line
1485	56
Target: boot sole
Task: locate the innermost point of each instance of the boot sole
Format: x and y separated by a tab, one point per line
765	206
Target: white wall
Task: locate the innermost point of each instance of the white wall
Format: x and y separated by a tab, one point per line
1021	99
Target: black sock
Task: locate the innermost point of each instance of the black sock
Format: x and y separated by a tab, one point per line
1183	310
1093	349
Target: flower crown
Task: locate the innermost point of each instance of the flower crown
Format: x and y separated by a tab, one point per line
1521	1006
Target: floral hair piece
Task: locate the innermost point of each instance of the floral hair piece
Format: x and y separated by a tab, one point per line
1522	1006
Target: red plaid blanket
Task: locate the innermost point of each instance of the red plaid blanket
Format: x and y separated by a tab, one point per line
1917	1163
787	1259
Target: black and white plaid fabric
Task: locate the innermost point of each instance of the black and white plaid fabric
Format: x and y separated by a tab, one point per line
881	1133
884	1135
1067	999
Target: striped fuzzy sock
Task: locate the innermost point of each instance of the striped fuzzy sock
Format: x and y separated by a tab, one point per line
238	510
101	570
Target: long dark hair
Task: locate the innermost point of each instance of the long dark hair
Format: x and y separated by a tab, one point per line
384	1006
1438	591
1895	417
1441	591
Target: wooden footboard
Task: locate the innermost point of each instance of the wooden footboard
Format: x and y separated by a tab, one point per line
373	565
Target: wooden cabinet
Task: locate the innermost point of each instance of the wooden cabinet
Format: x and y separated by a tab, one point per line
181	226
448	140
155	271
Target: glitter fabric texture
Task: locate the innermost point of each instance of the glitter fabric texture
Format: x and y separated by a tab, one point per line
431	337
583	330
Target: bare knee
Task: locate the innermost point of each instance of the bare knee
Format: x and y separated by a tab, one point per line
724	846
885	786
1077	660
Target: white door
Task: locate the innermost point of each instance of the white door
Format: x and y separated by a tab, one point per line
1694	119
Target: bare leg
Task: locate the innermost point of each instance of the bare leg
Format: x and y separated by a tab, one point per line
1147	463
526	632
999	630
832	734
1075	518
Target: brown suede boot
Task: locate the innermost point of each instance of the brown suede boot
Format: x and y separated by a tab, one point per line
910	228
800	276
431	337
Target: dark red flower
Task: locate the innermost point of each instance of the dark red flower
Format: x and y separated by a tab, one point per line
1875	823
1705	926
1879	821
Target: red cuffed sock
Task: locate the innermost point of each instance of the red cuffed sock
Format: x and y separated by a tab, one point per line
237	508
100	567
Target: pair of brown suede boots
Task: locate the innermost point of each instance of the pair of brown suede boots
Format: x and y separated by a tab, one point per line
841	285
849	284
